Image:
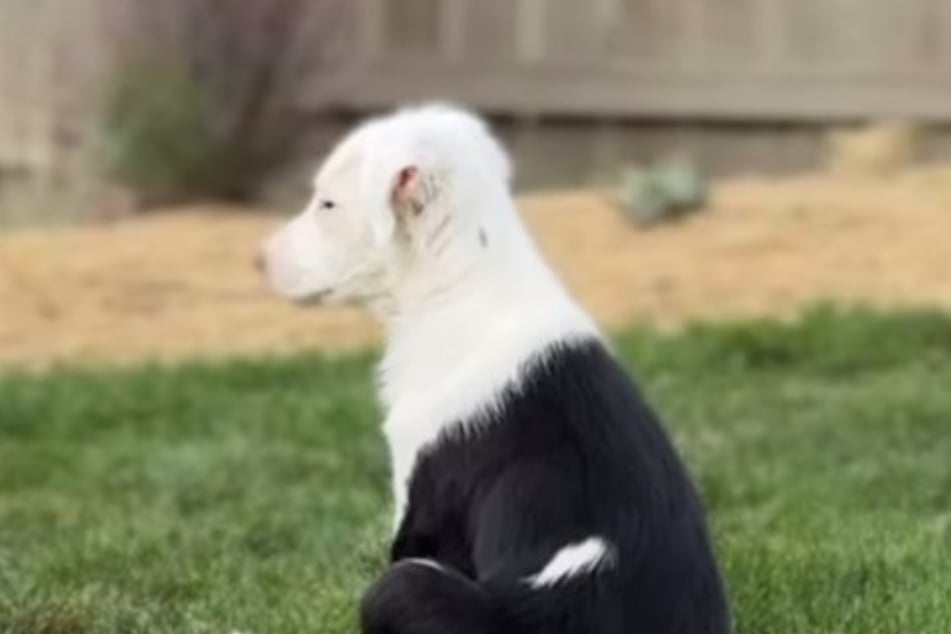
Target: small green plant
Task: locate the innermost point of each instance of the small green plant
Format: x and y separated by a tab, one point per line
205	109
665	191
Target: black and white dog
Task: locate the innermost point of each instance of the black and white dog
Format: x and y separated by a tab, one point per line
535	490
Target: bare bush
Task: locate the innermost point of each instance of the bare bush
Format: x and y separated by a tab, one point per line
202	104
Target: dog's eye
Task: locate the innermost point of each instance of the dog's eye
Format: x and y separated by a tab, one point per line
327	204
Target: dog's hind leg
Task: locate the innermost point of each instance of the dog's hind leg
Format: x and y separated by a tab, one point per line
422	597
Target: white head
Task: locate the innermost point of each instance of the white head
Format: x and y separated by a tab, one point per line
402	204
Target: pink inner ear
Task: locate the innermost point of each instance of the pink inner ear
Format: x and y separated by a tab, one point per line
405	183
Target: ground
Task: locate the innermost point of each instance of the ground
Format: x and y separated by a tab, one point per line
251	495
207	497
180	284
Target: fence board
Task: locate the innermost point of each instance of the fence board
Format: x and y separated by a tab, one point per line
45	80
866	34
728	32
643	93
651	31
412	27
491	31
571	31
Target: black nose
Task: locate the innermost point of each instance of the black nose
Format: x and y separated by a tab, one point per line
259	262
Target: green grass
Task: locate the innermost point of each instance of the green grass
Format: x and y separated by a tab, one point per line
252	495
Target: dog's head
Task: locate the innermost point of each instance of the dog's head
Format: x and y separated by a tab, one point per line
401	188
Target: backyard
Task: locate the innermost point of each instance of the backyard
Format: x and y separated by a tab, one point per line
183	452
179	283
251	495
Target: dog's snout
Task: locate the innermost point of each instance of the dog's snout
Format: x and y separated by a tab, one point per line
260	262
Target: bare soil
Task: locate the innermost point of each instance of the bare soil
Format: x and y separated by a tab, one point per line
180	283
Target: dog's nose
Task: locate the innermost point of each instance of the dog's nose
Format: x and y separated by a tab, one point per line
259	262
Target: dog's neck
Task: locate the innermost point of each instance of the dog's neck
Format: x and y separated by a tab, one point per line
461	327
462	332
461	323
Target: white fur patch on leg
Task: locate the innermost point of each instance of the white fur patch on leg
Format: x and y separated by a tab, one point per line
573	560
428	563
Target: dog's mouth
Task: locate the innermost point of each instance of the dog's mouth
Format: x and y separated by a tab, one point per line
314	299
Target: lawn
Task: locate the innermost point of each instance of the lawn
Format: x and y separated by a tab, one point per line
252	495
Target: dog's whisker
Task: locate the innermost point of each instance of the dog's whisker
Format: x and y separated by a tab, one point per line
444	224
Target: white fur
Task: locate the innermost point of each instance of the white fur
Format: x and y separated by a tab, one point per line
463	292
573	560
426	563
445	367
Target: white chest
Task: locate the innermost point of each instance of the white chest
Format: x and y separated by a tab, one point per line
447	384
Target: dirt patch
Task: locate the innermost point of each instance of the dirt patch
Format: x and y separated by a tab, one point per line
181	283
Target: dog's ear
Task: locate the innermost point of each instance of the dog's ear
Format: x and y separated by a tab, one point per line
406	187
391	183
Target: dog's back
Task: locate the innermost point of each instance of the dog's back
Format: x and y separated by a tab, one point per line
564	510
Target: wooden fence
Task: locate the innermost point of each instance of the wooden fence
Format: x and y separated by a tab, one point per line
640	73
790	60
51	55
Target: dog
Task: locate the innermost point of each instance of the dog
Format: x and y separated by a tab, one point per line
535	490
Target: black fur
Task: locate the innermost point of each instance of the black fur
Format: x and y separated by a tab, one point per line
573	452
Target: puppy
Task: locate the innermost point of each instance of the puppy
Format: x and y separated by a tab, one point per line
535	490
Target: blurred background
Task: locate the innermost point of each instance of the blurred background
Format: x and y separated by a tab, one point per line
807	138
752	196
